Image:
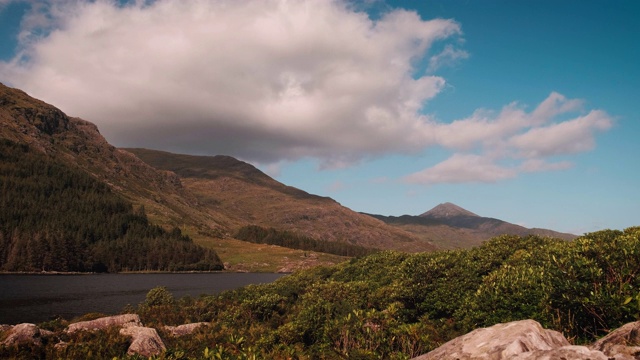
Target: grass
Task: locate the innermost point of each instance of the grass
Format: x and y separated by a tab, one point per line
240	255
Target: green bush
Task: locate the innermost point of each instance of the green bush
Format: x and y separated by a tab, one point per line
396	306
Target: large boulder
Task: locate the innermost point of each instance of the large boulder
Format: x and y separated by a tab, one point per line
500	341
622	343
527	340
185	329
571	352
145	341
105	322
25	334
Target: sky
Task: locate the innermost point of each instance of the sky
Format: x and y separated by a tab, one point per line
525	111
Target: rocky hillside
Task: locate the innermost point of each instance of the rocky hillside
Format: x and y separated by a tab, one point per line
450	227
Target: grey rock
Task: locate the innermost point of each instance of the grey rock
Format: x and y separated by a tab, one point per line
501	341
622	343
25	334
104	323
527	340
145	341
185	329
571	352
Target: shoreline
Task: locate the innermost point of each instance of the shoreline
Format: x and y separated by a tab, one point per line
133	272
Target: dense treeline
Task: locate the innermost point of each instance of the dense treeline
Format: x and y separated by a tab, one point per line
392	305
271	236
54	217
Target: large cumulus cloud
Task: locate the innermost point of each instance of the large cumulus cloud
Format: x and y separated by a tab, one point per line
263	80
277	80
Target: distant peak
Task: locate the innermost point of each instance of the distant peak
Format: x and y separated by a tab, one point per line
447	210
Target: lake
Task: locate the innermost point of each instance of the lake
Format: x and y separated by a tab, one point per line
38	298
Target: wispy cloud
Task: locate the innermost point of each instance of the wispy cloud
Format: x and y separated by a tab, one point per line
490	147
336	186
448	57
461	168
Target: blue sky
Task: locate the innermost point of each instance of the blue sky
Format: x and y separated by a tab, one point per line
522	111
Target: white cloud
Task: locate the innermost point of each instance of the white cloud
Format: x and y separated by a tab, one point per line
336	186
448	56
538	165
568	137
263	80
461	168
524	141
273	81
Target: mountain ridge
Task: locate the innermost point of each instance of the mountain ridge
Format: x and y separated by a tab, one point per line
260	200
450	226
446	210
215	196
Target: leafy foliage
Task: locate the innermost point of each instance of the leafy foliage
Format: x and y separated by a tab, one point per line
395	305
57	218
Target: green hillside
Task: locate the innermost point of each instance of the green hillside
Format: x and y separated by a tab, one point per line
54	217
393	305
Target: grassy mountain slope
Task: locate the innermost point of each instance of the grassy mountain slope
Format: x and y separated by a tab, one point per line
59	208
247	196
56	217
451	227
203	200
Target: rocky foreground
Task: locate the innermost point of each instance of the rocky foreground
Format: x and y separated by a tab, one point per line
527	340
518	340
145	341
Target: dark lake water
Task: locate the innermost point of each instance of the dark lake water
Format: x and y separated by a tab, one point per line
38	298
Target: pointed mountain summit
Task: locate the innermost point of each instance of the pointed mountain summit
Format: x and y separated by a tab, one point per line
447	210
450	226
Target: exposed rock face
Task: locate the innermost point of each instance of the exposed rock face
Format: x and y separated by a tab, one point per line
105	322
527	340
145	341
185	329
565	352
500	341
24	334
622	343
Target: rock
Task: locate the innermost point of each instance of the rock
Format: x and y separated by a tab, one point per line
145	341
622	343
527	340
185	329
25	334
105	322
571	352
5	327
501	341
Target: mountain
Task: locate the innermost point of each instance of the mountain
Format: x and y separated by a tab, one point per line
216	200
447	211
209	198
450	226
247	196
66	198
